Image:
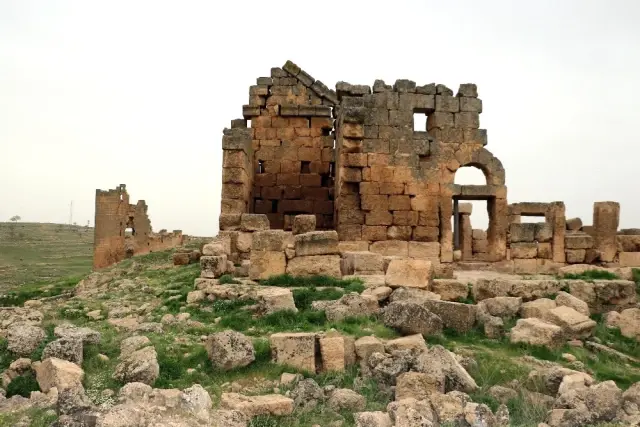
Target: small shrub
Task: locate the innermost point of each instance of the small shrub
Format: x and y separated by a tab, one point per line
304	297
288	281
227	279
23	385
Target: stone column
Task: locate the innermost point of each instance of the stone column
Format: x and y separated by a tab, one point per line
466	232
237	169
498	225
556	217
606	217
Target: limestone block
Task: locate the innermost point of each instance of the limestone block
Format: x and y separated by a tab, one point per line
569	300
414	273
399	232
213	266
372	419
578	240
537	308
604	295
629	323
265	264
524	232
254	222
53	372
244	242
574	224
316	243
410	342
480	246
606	216
251	406
269	240
524	250
543	232
575	256
353	246
297	350
325	265
304	224
454	315
332	351
216	248
181	258
503	307
418	385
574	324
479	234
424	250
397	248
545	251
271	299
537	332
450	289
628	242
366	346
412	318
525	266
629	259
358	262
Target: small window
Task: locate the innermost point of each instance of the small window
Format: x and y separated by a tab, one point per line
274	206
326	131
419	122
248	123
260	166
305	167
130	231
332	170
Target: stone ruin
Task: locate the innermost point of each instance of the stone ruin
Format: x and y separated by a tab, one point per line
123	230
352	160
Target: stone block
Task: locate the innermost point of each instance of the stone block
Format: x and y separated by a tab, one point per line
524	250
413	273
450	289
316	243
458	316
254	222
332	351
569	300
628	243
314	265
265	264
574	224
58	373
440	120
537	332
304	224
524	232
544	232
251	406
525	266
353	246
297	350
424	250
578	240
473	105
629	259
606	217
213	266
399	232
469	90
418	385
545	251
366	346
575	256
269	240
537	308
574	324
357	262
448	104
426	234
397	248
374	232
467	120
604	295
479	234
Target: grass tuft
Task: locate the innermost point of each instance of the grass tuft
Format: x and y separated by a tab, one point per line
590	275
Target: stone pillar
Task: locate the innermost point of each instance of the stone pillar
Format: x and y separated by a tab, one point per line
466	231
456	226
556	217
237	170
498	210
446	234
606	216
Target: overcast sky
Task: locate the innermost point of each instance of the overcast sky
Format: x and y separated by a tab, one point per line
94	94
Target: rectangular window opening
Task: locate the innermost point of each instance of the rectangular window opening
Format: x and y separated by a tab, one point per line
274	206
260	166
305	167
332	170
248	123
326	131
419	122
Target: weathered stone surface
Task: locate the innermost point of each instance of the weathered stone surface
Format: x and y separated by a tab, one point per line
569	300
574	324
349	305
317	243
303	224
361	263
366	346
271	299
629	323
526	289
537	308
229	350
454	315
23	338
604	295
450	289
397	248
537	332
412	318
271	404
412	412
62	374
69	349
294	349
325	265
265	264
267	240
413	295
344	399
503	307
417	385
372	419
254	222
523	232
409	342
138	366
332	351
213	266
415	273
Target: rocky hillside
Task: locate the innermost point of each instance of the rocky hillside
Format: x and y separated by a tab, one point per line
147	343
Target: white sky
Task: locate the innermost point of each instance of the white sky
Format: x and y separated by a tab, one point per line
94	94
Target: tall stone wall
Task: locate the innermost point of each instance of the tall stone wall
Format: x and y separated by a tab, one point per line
114	215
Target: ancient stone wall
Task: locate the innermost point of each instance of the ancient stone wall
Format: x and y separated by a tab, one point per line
123	229
357	160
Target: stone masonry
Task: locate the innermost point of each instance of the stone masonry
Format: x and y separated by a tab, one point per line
353	158
114	216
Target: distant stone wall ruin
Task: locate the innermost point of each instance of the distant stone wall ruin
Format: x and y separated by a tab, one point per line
123	230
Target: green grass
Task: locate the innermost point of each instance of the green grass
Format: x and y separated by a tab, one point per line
591	275
227	279
288	281
23	385
36	252
38	418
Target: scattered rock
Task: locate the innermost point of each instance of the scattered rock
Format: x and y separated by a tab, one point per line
344	399
24	338
272	404
229	350
58	373
139	366
306	395
64	348
537	332
412	318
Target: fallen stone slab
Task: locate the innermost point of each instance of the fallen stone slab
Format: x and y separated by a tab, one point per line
574	324
537	332
270	404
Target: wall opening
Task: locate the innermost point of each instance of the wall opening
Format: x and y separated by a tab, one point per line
248	123
260	166
419	121
471	175
130	231
305	167
532	218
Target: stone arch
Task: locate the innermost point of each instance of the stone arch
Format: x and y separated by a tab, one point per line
484	160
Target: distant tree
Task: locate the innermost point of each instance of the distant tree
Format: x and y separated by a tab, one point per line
15	218
12	228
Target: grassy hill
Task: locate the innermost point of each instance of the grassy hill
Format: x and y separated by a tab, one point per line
35	252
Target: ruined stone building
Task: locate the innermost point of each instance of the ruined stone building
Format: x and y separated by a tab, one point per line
123	230
355	159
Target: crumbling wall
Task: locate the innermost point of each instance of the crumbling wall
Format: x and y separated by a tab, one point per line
114	216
